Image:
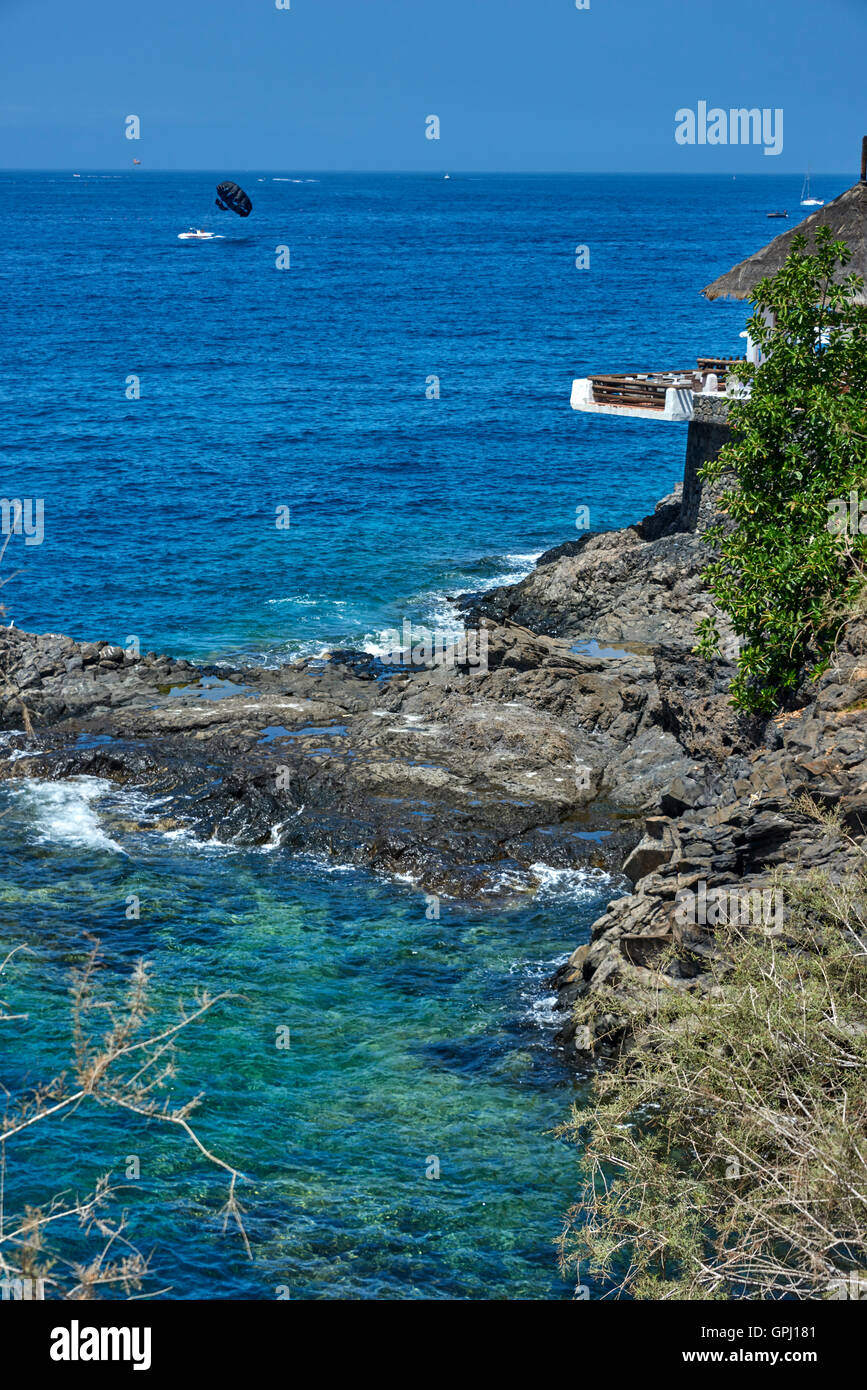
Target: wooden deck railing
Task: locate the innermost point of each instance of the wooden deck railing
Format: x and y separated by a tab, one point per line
720	365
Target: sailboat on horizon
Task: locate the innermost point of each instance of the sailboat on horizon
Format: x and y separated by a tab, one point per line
807	199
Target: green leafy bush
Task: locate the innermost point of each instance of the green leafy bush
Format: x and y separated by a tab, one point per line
782	573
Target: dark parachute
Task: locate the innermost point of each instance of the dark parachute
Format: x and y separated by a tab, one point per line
231	198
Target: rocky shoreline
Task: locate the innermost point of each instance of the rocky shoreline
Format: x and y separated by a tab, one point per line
594	738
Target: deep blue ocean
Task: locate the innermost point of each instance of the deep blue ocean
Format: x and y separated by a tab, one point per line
310	388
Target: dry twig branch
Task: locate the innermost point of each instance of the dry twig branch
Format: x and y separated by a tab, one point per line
96	1074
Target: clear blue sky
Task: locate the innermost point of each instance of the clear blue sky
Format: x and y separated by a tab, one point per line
529	85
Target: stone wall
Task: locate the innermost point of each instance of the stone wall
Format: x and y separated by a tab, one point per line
708	432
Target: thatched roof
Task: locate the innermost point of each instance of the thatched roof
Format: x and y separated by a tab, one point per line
847	218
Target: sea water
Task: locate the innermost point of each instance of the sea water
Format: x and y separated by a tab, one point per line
400	395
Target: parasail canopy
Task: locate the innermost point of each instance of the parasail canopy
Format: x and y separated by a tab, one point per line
231	198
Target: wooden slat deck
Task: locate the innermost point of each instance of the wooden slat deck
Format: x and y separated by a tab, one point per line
647	389
640	388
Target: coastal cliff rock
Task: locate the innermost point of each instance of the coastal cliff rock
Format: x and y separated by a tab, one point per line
590	737
640	585
796	803
457	778
446	777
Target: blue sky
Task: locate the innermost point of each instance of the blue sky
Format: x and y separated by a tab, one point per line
532	85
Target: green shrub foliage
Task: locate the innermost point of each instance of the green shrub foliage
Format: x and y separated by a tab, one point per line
789	561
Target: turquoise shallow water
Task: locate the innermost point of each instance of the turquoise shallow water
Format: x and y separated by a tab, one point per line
411	1039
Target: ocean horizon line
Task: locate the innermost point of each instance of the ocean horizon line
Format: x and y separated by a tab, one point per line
452	170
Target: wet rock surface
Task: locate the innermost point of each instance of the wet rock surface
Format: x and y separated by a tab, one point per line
593	738
452	779
750	814
638	585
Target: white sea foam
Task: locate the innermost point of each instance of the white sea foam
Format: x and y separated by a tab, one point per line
505	881
15	754
549	884
66	813
317	860
276	838
447	627
435	610
520	565
297	601
379	645
569	885
543	1010
186	836
540	1009
439	613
